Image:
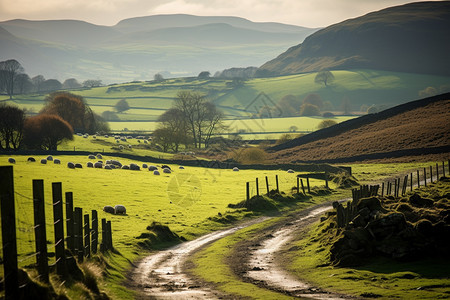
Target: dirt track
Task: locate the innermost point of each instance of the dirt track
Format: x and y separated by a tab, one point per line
162	275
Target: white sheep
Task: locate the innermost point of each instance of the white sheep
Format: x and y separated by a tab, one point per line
99	156
125	167
71	165
106	136
121	147
49	158
78	166
167	171
11	160
31	159
129	146
236	169
145	142
156	172
181	167
144	166
290	171
152	168
92	156
120	210
57	161
43	161
98	165
108	167
89	164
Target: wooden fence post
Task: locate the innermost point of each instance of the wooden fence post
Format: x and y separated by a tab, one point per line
87	237
443	169
326	180
267	185
69	222
298	185
418	179
78	232
248	190
94	231
431	174
303	187
104	244
59	228
9	243
411	182
40	234
382	189
278	188
425	176
307	183
437	172
257	187
395	188
110	242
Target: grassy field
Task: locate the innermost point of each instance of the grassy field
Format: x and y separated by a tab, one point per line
185	208
149	99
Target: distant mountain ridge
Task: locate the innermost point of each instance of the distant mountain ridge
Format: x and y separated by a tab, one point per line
410	38
137	48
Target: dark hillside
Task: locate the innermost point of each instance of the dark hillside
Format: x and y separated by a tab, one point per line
409	38
414	128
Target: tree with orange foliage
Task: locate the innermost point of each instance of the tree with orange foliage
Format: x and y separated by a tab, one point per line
46	132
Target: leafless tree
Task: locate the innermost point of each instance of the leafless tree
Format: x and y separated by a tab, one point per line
9	70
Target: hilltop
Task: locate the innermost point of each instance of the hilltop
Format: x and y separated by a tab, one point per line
410	38
416	128
137	48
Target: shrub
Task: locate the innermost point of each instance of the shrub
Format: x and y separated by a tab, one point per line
250	156
308	109
326	123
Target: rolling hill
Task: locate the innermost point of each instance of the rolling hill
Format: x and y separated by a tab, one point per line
138	48
416	128
410	38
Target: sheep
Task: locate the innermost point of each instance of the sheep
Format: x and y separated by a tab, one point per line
108	167
290	171
145	142
121	147
71	165
125	167
31	159
236	169
79	134
43	161
11	160
167	171
117	142
144	166
89	164
85	136
135	167
152	168
57	161
78	166
99	156
91	156
129	146
155	172
106	136
165	167
129	137
120	210
181	167
115	163
94	136
98	165
50	158
108	209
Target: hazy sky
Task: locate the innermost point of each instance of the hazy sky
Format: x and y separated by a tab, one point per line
309	13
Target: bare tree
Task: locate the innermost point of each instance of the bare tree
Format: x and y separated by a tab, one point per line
174	123
9	71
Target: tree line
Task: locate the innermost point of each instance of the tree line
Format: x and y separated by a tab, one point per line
14	80
62	114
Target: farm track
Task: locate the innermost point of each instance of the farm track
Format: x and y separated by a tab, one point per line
162	275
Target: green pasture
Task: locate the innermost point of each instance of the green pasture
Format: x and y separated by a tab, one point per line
147	197
148	99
